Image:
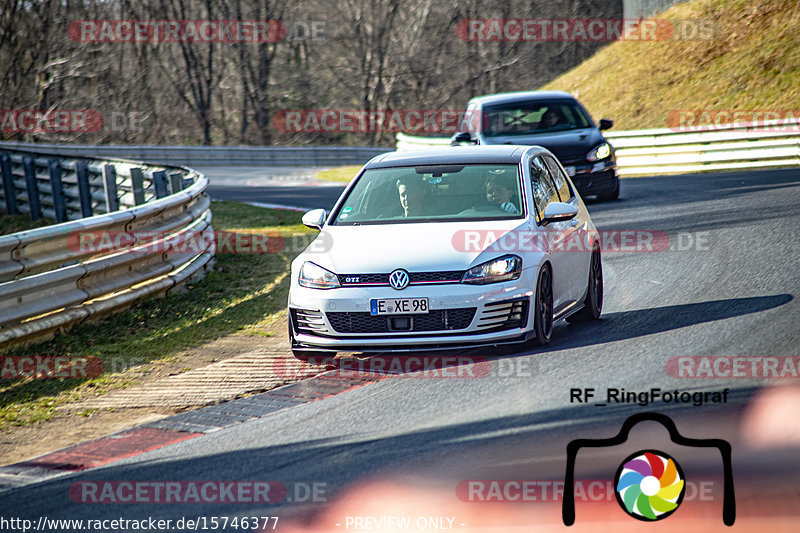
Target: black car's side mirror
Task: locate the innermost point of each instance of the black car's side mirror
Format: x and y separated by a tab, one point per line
606	123
462	137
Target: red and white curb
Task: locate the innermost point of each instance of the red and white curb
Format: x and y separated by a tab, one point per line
178	428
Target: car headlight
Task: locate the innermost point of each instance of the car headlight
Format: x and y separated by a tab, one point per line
503	268
315	277
599	152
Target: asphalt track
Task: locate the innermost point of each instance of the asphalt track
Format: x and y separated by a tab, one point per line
727	286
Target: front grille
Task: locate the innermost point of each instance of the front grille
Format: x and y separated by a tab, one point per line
436	320
504	315
349	279
572	159
436	277
447	276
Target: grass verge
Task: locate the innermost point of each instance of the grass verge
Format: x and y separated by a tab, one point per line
343	174
15	223
745	57
245	293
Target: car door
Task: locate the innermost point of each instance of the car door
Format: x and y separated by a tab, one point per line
576	231
555	233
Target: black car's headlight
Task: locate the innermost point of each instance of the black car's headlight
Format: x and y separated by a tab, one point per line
315	277
503	268
599	152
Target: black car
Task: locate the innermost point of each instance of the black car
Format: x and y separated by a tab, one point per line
553	119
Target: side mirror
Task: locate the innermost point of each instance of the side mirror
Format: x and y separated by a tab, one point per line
314	218
462	137
606	123
558	212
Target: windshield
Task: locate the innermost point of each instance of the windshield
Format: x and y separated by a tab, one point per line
436	193
526	118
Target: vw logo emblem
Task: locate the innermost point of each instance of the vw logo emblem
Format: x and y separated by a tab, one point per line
398	279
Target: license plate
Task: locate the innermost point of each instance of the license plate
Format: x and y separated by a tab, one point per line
398	306
570	171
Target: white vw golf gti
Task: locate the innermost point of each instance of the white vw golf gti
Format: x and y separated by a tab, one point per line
444	248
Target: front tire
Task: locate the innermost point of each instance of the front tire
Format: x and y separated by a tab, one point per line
543	307
593	302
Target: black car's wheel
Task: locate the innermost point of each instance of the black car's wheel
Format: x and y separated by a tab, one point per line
611	195
543	311
593	303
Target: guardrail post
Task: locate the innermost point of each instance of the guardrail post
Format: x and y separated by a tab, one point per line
84	193
137	181
8	185
176	182
110	183
160	183
32	184
59	202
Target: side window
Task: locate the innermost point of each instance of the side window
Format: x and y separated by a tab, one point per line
542	186
559	178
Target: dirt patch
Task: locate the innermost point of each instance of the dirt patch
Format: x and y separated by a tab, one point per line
227	368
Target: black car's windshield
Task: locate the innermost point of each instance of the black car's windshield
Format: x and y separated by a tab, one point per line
526	118
436	193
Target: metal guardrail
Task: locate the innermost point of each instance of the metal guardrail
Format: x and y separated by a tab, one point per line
49	279
671	151
315	156
729	147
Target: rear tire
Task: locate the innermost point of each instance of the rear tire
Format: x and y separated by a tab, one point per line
543	307
593	302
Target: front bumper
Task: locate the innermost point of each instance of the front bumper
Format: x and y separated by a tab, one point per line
589	179
319	318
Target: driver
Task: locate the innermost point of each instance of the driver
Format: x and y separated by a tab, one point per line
412	196
499	190
551	118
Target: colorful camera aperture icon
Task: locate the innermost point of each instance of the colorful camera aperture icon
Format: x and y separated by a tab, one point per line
649	485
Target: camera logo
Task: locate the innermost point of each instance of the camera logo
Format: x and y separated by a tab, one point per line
644	499
649	485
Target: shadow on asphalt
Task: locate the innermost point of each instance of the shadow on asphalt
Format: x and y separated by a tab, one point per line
614	327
